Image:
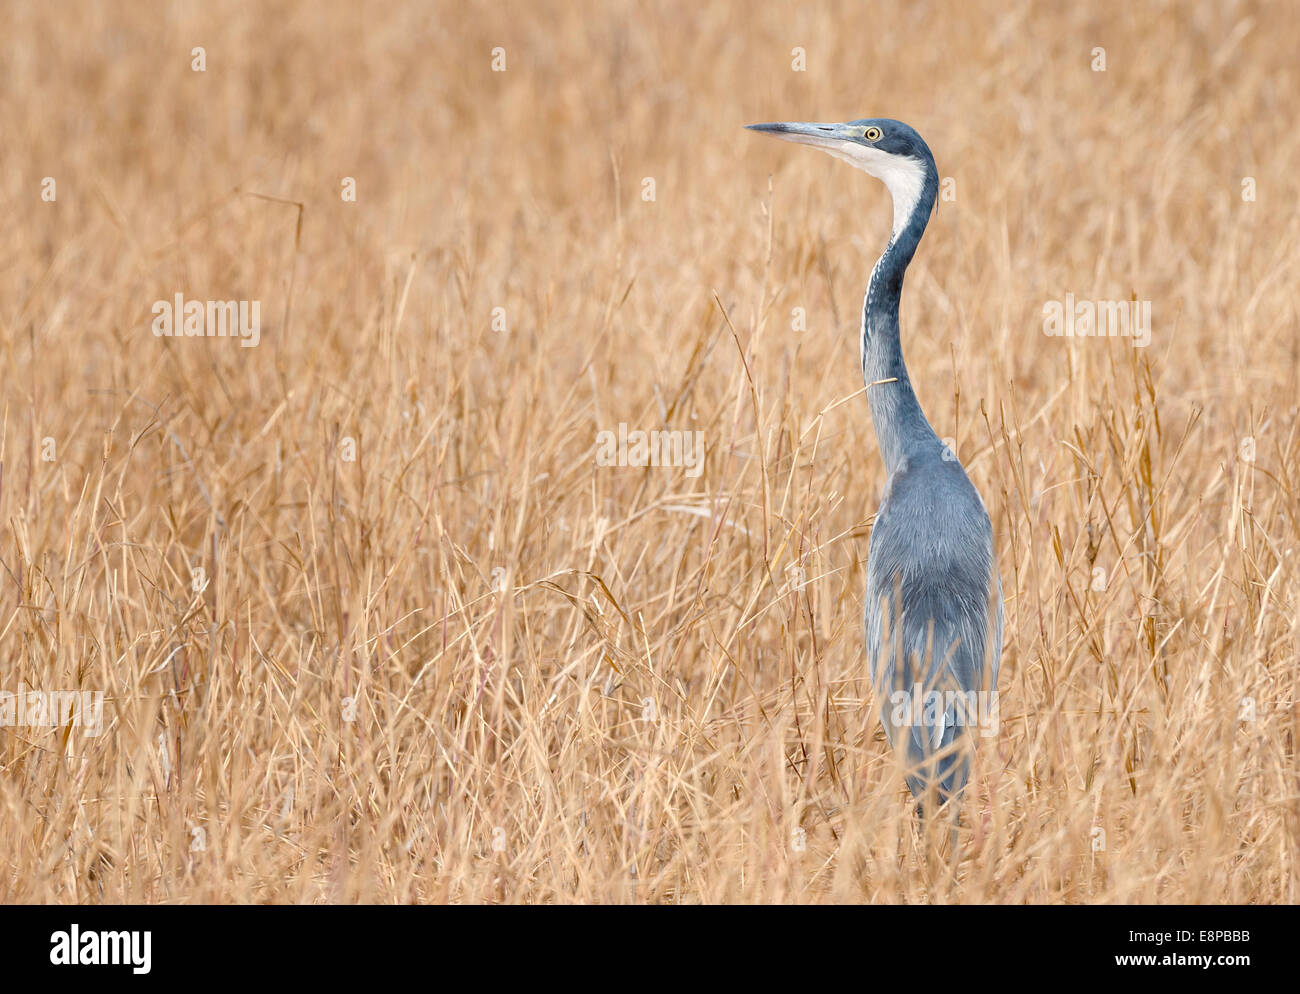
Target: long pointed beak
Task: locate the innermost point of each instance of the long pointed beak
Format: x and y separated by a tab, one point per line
808	132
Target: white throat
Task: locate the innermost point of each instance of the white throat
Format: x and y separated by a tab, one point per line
903	176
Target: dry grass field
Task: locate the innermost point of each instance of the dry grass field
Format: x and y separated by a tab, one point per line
370	622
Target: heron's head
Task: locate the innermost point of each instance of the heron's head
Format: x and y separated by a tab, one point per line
889	150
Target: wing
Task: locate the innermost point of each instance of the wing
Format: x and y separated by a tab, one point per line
933	619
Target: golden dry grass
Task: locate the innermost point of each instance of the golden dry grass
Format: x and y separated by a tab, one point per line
502	748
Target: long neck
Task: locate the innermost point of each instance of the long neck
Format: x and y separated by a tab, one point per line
900	422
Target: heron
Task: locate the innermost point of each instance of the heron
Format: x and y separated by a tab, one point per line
933	601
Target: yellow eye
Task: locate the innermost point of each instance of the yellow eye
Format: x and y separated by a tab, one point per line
872	134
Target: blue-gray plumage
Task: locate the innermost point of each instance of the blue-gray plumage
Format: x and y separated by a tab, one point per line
934	598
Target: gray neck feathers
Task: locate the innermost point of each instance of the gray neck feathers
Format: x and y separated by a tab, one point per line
900	423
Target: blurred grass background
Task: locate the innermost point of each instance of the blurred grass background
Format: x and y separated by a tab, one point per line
471	664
